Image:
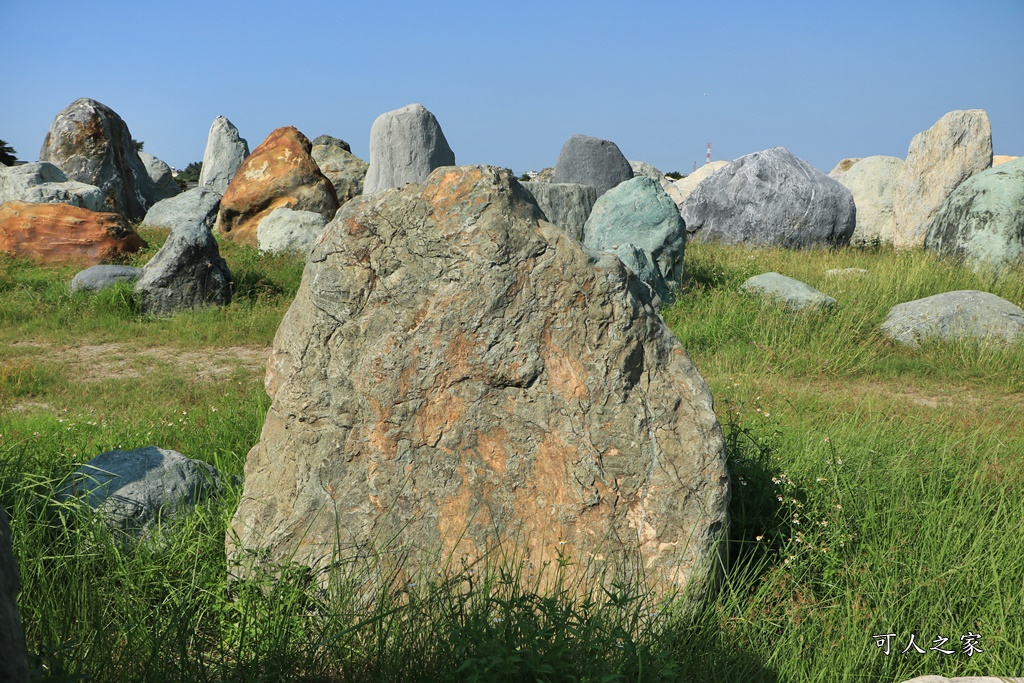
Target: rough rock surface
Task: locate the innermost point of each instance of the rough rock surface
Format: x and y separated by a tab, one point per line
405	146
43	183
344	169
643	168
842	167
872	181
289	230
225	152
188	272
639	212
90	143
13	659
955	315
567	205
793	293
164	185
982	221
591	161
455	373
939	159
190	206
96	278
771	198
279	173
546	175
61	232
680	189
134	490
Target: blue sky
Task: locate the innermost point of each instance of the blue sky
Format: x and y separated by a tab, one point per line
511	81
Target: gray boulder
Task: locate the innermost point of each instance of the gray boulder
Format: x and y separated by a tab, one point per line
134	490
13	660
567	205
288	230
793	293
43	183
639	212
95	278
344	169
643	168
197	204
982	221
188	272
225	151
592	161
872	181
680	189
164	185
90	143
956	315
329	141
770	198
405	146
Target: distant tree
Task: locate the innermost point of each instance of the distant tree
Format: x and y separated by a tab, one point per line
675	175
7	154
137	144
525	177
191	172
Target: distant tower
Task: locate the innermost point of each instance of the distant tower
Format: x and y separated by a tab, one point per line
695	166
709	154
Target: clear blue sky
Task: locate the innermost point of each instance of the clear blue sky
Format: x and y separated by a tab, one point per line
511	81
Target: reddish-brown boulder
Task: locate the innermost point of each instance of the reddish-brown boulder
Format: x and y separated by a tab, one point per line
279	173
61	232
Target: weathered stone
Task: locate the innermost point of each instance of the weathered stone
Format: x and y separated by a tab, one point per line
982	221
639	212
793	293
637	260
872	181
288	230
591	161
13	659
188	272
134	490
96	278
680	189
998	159
405	146
329	141
643	168
842	167
939	159
955	315
164	185
344	169
280	173
567	205
57	233
44	183
455	374
225	152
188	207
770	198
90	143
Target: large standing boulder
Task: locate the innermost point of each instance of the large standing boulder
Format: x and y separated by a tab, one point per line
280	173
939	159
44	183
964	314
344	169
592	161
456	374
640	213
680	189
225	152
288	230
872	181
567	205
164	185
188	272
193	205
90	143
13	659
770	198
982	221
405	146
56	233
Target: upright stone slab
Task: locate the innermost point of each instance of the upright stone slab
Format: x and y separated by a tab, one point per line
939	159
43	183
90	143
405	146
13	660
164	185
225	152
872	181
982	221
344	169
456	373
567	205
770	198
592	161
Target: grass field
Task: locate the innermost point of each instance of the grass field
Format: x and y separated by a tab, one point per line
877	490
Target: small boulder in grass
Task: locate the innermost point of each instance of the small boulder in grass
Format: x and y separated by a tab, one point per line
101	277
793	293
964	314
